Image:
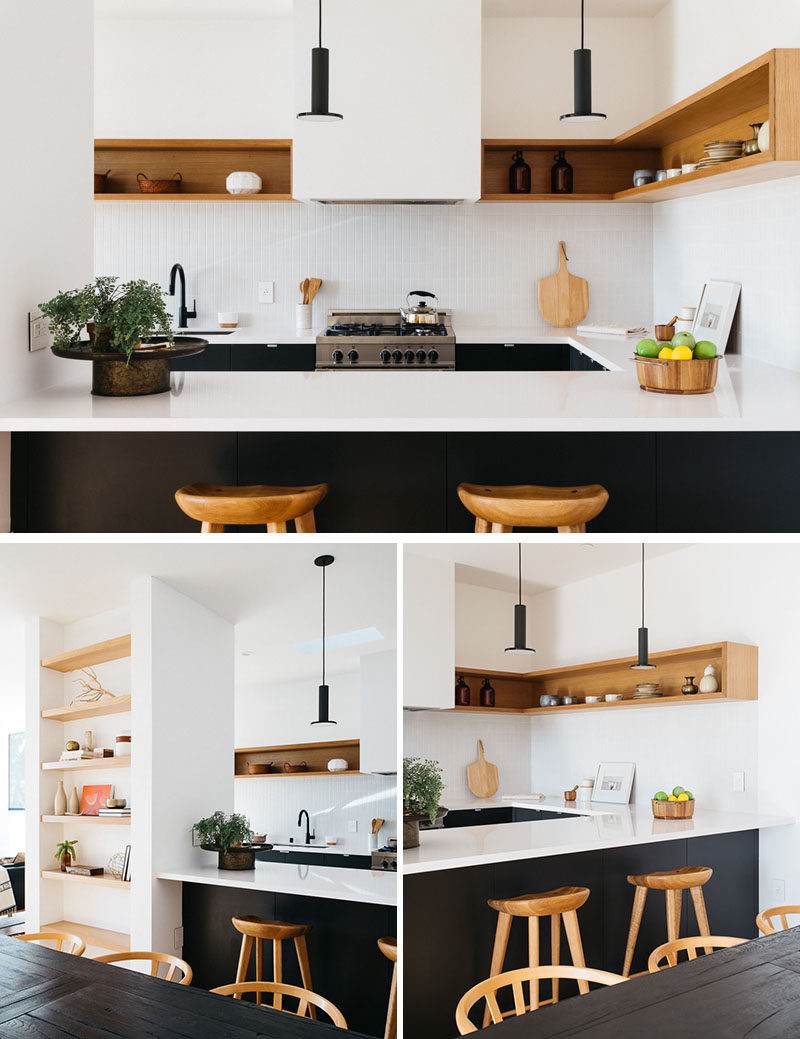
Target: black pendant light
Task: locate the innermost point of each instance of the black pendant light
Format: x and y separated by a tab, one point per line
324	693
319	83
643	663
582	60
520	622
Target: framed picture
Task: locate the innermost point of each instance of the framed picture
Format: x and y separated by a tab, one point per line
16	772
714	315
614	781
94	798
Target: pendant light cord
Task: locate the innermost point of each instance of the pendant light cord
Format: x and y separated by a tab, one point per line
320	22
642	584
582	3
519	546
323	620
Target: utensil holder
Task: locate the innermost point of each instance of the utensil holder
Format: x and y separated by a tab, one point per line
373	841
302	315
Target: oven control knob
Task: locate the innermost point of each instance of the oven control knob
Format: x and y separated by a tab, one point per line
352	356
433	356
397	356
385	356
384	863
409	355
421	356
337	356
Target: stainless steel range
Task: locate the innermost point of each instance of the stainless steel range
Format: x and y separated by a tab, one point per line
385	859
371	340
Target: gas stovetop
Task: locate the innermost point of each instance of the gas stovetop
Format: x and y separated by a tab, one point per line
379	340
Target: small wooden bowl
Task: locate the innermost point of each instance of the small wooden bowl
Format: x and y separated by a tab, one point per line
301	767
159	187
664	333
662	376
259	768
569	795
673	809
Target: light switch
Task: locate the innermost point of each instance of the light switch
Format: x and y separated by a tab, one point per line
738	782
266	292
39	337
778	892
352	826
178	939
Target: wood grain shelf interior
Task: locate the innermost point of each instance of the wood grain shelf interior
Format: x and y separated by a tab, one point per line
315	755
81	712
96	937
766	88
105	881
96	764
92	820
203	165
736	666
89	656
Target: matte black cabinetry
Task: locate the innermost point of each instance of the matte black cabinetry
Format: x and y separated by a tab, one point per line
503	814
315	858
250	357
523	357
215	358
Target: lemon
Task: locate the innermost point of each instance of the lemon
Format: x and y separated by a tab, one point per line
704	350
660	796
683	797
677	791
665	354
682	353
672	797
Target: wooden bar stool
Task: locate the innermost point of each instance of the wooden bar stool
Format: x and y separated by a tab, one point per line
498	510
255	929
562	903
673	882
388	947
272	507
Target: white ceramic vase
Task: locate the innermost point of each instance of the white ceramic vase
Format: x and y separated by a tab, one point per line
74	802
60	805
709	683
243	182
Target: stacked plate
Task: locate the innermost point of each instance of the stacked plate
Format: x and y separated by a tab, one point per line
646	690
720	151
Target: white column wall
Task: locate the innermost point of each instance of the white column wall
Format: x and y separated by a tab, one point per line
428	631
12	719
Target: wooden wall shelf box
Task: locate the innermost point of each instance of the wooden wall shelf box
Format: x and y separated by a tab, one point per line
92	820
96	764
766	88
736	666
316	756
203	164
97	937
89	656
80	712
76	878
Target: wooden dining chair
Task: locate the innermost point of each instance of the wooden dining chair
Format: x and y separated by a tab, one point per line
175	964
69	943
668	952
488	989
255	506
765	921
497	510
388	947
305	998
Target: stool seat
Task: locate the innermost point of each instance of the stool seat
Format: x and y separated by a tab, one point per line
388	947
673	879
546	903
269	930
568	509
257	505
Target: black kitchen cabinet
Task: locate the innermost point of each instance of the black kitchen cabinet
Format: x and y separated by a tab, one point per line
523	357
315	858
478	817
280	357
215	358
533	815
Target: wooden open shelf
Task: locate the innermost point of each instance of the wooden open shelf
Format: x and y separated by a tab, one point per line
105	881
766	88
736	665
316	756
88	656
93	820
97	937
96	764
80	712
203	164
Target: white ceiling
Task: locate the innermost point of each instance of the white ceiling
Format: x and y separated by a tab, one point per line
272	593
572	8
544	565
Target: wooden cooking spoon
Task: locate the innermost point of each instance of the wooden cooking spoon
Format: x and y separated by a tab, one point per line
314	286
304	290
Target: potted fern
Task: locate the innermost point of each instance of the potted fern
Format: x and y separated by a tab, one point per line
422	788
230	836
64	852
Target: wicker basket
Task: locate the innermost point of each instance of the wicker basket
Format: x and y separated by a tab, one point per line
663	376
159	187
673	809
101	182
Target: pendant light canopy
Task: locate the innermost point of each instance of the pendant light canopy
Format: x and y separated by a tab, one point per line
582	60
643	662
319	83
323	709
520	620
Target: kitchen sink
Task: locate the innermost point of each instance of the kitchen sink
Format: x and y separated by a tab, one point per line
205	331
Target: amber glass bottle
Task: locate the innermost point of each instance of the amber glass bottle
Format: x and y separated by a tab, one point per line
561	176
519	176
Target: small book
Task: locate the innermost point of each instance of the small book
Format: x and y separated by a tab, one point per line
126	868
102	752
75	755
86	871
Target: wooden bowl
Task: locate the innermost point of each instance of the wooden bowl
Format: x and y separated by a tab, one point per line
259	768
159	187
301	767
662	376
673	809
664	333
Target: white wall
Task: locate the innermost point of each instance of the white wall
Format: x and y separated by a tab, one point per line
273	715
46	196
527	75
12	719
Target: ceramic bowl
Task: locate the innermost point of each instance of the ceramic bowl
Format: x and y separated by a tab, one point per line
612	697
641	177
594	699
548	700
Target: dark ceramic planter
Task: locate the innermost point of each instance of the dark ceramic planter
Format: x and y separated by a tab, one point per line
148	371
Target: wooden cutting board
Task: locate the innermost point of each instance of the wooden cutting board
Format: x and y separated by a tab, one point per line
482	775
563	298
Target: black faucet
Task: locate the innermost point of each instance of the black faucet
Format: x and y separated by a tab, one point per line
309	835
183	313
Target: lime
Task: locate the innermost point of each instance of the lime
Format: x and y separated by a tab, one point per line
704	350
681	353
678	791
647	348
683	339
689	795
660	796
666	353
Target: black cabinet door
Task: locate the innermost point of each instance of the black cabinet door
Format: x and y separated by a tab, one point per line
348	861
280	357
215	358
532	815
512	357
478	817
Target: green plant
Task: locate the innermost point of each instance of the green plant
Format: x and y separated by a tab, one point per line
121	314
422	787
223	831
64	848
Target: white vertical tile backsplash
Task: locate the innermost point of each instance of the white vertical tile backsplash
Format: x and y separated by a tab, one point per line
272	806
483	261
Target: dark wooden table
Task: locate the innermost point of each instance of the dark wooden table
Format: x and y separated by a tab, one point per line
752	990
51	995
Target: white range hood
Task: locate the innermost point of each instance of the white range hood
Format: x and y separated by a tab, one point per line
406	76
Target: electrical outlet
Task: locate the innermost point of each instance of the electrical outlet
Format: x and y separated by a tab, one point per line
179	937
778	892
738	782
352	826
39	337
195	839
266	292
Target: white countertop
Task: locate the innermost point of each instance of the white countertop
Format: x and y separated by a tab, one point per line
374	887
600	826
255	334
749	396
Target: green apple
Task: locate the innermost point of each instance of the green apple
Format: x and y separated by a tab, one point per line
660	796
678	791
683	339
647	348
689	794
705	350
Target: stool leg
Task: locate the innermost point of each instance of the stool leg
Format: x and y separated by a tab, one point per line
533	957
277	971
259	966
700	912
305	524
575	945
390	1031
212	528
578	528
639	895
244	959
276	528
500	528
305	969
498	952
482	526
673	921
555	948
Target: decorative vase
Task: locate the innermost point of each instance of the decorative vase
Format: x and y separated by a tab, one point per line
235	857
410	832
709	683
561	176
462	693
519	176
74	803
763	137
689	689
66	860
753	147
243	182
60	805
487	694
